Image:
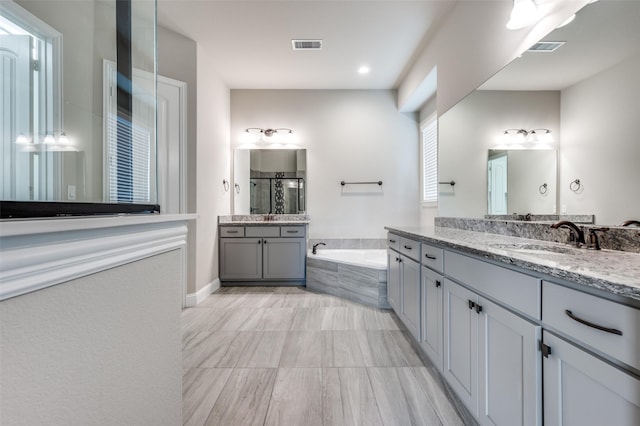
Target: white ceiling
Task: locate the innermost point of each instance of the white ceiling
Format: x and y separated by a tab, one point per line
252	39
603	34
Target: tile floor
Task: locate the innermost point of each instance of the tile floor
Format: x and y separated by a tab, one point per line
287	356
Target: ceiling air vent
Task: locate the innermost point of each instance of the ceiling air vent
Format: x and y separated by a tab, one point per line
546	46
306	44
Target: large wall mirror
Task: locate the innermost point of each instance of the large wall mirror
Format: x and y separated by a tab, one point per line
521	181
78	108
587	92
269	181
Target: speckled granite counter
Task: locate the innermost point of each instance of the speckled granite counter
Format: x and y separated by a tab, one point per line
612	271
263	219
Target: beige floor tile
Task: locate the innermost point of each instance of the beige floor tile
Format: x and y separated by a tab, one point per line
347	398
296	398
244	400
200	390
263	350
302	348
341	349
379	349
400	398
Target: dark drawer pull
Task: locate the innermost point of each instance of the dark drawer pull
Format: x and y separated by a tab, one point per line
408	247
428	256
232	232
292	232
392	241
590	324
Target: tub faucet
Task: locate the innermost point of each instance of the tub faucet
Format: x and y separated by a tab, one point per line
576	236
631	222
315	246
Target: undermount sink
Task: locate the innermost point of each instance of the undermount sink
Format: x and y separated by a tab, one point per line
534	248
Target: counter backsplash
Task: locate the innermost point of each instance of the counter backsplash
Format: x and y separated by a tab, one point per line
244	218
617	238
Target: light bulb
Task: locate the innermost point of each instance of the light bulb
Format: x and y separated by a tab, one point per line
63	139
49	139
22	140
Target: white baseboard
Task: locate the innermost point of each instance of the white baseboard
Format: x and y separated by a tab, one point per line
193	299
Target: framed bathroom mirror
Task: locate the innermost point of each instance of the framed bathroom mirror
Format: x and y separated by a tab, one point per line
269	181
521	181
586	92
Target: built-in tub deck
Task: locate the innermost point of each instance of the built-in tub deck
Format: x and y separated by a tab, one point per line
355	274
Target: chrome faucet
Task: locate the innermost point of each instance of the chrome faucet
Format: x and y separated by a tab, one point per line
315	246
631	222
576	235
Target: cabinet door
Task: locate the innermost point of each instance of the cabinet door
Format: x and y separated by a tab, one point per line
393	280
580	389
240	258
410	305
509	375
431	290
460	366
284	258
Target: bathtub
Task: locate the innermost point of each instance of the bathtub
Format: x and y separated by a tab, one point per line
355	274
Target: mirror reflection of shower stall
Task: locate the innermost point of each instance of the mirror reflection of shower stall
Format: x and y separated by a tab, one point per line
277	194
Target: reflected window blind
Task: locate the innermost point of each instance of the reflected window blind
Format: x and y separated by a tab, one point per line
430	160
129	178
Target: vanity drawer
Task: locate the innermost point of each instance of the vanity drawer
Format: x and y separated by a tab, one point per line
410	248
262	231
596	312
393	241
232	231
432	257
514	289
292	231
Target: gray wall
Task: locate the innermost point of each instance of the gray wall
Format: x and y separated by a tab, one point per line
472	127
103	349
600	146
352	135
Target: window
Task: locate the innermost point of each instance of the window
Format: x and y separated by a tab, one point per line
429	135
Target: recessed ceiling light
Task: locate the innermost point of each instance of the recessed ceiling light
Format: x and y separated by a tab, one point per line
364	70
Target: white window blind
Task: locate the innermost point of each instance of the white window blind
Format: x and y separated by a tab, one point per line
429	132
128	178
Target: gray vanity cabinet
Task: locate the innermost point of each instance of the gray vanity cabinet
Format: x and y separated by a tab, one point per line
580	389
431	292
410	294
393	279
403	281
262	253
240	259
283	258
491	359
491	354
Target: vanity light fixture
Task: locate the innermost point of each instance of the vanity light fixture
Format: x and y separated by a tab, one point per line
523	14
520	136
278	134
56	140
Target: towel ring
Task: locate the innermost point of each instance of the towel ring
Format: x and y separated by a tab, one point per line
225	185
575	185
543	188
237	188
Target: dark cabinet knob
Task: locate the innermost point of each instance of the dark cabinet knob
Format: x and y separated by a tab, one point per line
438	283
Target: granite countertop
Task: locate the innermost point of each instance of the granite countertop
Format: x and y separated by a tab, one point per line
261	219
613	271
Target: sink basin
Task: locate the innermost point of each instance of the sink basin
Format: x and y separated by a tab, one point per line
534	248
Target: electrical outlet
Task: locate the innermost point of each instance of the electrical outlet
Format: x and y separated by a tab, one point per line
563	209
71	192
